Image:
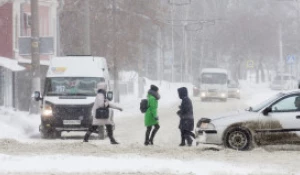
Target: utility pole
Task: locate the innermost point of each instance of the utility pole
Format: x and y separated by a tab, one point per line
35	55
87	42
281	62
116	72
186	58
173	54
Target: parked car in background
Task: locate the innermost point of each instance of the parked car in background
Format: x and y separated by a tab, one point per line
234	89
274	121
284	82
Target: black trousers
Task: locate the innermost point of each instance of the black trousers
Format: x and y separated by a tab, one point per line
93	128
148	132
186	136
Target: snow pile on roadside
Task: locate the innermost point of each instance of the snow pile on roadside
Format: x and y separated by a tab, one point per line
16	124
123	164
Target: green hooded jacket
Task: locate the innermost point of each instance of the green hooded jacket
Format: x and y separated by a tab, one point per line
151	113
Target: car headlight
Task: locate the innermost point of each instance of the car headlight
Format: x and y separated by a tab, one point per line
207	126
47	110
238	91
223	95
203	94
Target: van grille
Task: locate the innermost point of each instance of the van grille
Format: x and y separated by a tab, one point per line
74	112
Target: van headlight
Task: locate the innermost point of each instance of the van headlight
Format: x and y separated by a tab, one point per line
207	126
47	110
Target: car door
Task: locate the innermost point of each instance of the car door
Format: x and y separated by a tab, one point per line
283	121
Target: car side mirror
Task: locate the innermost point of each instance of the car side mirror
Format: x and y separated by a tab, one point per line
36	96
267	111
110	95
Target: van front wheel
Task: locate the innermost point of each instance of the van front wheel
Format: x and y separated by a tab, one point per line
50	134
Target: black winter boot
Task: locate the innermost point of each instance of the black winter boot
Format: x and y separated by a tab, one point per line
156	128
110	135
182	139
86	136
189	140
147	142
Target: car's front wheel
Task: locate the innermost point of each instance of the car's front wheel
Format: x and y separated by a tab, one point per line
238	139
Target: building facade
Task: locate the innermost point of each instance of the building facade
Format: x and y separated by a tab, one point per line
15	44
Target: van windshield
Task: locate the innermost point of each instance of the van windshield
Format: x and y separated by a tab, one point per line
214	78
72	86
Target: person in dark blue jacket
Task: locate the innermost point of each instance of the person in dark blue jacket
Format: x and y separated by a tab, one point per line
186	116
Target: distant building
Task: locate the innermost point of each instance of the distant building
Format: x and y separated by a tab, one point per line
15	35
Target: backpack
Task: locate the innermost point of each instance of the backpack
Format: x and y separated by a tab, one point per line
144	105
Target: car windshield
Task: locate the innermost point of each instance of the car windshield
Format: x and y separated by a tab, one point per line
214	78
72	86
233	84
258	107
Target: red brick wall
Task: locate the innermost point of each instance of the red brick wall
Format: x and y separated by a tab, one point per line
44	20
6	30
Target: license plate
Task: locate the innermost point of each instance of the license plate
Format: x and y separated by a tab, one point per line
213	94
72	122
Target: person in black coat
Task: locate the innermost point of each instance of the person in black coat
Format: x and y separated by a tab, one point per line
186	116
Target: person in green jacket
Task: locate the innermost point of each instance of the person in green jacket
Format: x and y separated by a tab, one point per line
151	118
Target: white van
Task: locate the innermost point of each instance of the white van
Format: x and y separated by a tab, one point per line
214	84
69	93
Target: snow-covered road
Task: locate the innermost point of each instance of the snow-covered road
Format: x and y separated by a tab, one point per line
69	155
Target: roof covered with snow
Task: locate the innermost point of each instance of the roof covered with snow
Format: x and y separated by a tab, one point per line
10	64
77	66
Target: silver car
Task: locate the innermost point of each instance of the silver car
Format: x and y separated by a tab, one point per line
284	82
274	121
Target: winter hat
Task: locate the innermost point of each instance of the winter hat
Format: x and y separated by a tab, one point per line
154	88
182	92
102	85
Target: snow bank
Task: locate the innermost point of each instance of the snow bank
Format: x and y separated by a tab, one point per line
124	164
18	125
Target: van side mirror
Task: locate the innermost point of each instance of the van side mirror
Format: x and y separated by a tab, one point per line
267	111
36	96
110	95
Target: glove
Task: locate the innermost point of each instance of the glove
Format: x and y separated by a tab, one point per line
121	109
156	118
